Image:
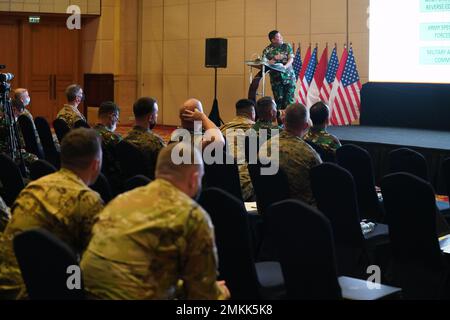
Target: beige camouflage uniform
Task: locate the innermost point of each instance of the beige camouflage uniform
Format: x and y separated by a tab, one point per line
60	203
245	124
147	242
148	142
296	158
70	115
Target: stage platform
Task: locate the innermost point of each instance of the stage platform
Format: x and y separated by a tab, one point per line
379	141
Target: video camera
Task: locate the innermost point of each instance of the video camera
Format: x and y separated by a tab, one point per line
5	77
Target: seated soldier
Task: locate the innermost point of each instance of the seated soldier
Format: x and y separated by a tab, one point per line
61	203
266	110
295	157
70	113
146	116
244	120
108	117
156	242
320	115
194	120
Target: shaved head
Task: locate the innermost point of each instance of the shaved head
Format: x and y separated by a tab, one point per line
168	162
190	105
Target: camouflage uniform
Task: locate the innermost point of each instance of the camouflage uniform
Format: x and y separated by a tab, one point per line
5	215
296	158
111	166
322	138
60	203
28	158
283	83
148	142
267	125
241	123
70	115
27	113
147	242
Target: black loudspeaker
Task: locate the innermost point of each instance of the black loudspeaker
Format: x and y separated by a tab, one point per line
216	53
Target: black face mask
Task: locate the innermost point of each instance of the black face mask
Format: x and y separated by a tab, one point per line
152	125
196	197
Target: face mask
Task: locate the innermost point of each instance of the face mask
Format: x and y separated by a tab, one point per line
152	124
27	102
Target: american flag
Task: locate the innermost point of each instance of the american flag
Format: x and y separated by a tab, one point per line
297	65
307	79
333	66
345	100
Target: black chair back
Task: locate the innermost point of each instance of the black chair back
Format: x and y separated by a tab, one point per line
325	155
359	163
41	168
46	264
11	179
335	192
224	175
81	124
268	188
136	182
236	265
410	161
304	243
411	214
29	135
48	144
61	129
132	161
103	188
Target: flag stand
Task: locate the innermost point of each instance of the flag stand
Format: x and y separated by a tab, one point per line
214	116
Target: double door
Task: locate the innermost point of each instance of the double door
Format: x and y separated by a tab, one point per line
47	60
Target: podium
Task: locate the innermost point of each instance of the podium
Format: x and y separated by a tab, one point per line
265	67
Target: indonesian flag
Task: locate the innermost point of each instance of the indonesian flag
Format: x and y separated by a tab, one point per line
301	76
327	86
317	82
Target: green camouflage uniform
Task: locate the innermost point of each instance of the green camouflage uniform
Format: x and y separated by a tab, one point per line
28	158
267	125
148	142
283	83
149	241
245	124
322	138
5	215
296	158
111	166
60	203
70	115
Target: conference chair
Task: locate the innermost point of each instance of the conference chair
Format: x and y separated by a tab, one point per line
48	144
132	161
103	188
81	124
268	190
224	175
420	267
29	135
11	179
407	160
41	168
46	263
245	279
61	129
325	155
136	182
334	190
359	163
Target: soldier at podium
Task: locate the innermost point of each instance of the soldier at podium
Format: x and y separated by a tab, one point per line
283	83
